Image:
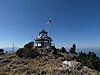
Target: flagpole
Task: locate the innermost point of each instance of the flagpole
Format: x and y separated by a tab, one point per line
50	32
49	23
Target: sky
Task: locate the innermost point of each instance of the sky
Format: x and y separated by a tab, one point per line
73	21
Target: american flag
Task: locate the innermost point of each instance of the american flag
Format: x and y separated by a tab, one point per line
49	22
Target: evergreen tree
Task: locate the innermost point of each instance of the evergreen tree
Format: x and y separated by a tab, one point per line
73	49
63	50
90	59
82	57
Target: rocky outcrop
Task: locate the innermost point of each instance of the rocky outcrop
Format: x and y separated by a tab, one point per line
47	63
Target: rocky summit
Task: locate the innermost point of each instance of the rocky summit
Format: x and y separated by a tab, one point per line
47	62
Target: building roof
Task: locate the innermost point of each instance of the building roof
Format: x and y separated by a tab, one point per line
43	38
43	31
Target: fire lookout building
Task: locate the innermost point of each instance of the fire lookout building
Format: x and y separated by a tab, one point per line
43	40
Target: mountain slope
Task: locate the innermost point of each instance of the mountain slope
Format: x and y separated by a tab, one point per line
44	64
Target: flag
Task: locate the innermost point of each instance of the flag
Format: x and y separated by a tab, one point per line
49	22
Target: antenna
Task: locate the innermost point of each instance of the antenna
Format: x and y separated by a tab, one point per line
12	47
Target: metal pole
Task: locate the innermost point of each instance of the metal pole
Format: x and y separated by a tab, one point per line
12	47
50	29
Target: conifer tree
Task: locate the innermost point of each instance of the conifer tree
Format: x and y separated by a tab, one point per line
73	49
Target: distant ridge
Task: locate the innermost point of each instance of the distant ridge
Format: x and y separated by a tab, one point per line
9	49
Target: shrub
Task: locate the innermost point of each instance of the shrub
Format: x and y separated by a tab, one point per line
24	52
21	52
29	45
1	52
54	50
